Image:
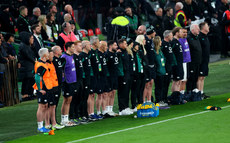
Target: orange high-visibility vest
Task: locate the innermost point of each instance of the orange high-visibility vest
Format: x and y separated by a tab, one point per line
46	77
53	74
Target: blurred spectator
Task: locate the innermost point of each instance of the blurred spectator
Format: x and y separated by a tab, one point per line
180	19
221	9
168	19
15	6
26	59
3	43
36	14
67	17
133	4
74	30
42	22
52	29
141	30
120	26
43	5
226	24
133	22
206	9
7	21
54	11
158	22
38	42
10	50
66	36
191	10
22	22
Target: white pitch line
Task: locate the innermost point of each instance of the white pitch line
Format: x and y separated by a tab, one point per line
114	132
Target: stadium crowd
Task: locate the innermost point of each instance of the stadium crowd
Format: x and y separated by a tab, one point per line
149	44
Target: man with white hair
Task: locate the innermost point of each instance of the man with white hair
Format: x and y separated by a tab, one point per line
180	19
196	57
43	86
36	14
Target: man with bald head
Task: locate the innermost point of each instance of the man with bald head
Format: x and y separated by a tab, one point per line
141	30
102	98
58	64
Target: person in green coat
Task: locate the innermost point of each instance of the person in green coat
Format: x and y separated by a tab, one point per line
160	70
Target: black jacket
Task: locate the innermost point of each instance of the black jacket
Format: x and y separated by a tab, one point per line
168	23
37	46
168	53
158	25
23	24
205	45
195	48
26	55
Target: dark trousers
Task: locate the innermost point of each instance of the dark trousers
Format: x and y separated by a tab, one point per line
135	86
193	76
140	96
74	111
123	93
159	88
85	95
27	86
166	82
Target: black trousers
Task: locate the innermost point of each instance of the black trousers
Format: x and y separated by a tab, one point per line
135	86
74	111
123	93
159	88
193	76
27	86
166	82
85	95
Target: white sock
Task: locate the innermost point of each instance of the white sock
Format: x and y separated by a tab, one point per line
40	124
182	91
104	112
62	118
148	100
107	108
202	91
111	108
66	118
98	112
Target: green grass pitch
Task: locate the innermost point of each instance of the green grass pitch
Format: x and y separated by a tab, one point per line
18	123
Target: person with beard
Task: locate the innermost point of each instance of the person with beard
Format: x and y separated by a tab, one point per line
26	58
7	21
123	79
38	42
168	54
168	19
113	72
157	22
177	69
141	30
22	22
